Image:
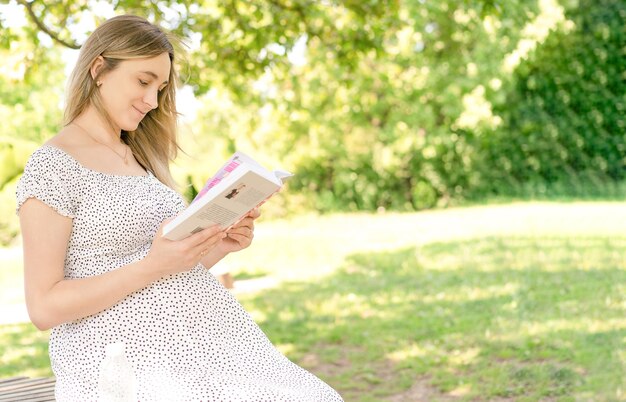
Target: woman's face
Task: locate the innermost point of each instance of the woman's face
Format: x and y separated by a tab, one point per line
131	90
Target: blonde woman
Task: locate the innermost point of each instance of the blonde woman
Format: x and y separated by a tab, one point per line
92	202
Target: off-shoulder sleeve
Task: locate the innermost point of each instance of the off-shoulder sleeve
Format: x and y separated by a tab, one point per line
46	179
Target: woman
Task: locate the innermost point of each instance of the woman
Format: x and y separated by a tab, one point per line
92	203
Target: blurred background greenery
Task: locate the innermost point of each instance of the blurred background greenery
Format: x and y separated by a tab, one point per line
380	104
382	107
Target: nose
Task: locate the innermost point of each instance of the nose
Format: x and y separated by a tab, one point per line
151	98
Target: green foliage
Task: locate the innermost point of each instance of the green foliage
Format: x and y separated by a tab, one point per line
13	153
382	104
243	39
30	93
30	112
9	223
236	42
567	128
382	134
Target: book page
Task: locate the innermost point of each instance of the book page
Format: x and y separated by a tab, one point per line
224	204
282	175
240	197
237	159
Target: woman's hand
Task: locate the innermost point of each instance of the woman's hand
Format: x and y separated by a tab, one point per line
240	235
170	257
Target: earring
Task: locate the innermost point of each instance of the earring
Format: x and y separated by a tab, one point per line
98	83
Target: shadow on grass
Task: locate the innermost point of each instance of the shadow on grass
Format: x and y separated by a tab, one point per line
485	318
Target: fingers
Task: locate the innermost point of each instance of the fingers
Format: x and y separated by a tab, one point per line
198	238
201	249
199	244
168	256
255	213
160	230
247	222
241	239
245	231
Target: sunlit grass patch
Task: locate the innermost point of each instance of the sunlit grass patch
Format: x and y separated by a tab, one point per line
23	350
519	302
497	317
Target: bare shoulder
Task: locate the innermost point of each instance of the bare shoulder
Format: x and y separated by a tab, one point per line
69	139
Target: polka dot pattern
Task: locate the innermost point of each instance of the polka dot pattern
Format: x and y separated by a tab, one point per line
186	336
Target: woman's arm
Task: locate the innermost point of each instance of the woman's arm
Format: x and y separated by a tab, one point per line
51	299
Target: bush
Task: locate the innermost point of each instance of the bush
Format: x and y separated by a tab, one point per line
564	125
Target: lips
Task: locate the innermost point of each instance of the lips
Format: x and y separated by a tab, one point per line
140	112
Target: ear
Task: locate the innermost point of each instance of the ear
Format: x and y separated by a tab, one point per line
96	66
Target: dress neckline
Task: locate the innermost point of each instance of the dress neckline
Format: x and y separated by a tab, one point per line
148	173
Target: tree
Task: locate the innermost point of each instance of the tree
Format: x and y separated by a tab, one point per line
234	40
382	104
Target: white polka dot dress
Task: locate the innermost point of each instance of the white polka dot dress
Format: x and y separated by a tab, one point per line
186	336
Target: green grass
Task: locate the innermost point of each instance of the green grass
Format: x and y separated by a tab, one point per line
519	302
505	317
23	348
23	351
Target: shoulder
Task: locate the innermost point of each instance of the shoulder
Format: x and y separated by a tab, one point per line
51	161
49	176
48	158
56	153
68	140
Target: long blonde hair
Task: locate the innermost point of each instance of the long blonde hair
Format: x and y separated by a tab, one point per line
122	38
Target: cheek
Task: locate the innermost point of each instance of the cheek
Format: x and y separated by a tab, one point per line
113	97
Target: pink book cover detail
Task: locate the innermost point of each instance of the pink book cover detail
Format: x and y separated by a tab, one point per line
223	172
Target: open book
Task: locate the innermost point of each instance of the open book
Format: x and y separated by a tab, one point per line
236	189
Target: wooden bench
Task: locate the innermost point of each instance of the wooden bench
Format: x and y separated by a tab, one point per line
27	389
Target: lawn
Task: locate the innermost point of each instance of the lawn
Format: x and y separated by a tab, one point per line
509	302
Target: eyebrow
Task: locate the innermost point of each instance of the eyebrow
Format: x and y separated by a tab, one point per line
153	75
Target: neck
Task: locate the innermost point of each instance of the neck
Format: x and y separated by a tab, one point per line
97	127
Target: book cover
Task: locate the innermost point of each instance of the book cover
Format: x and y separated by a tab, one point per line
239	186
